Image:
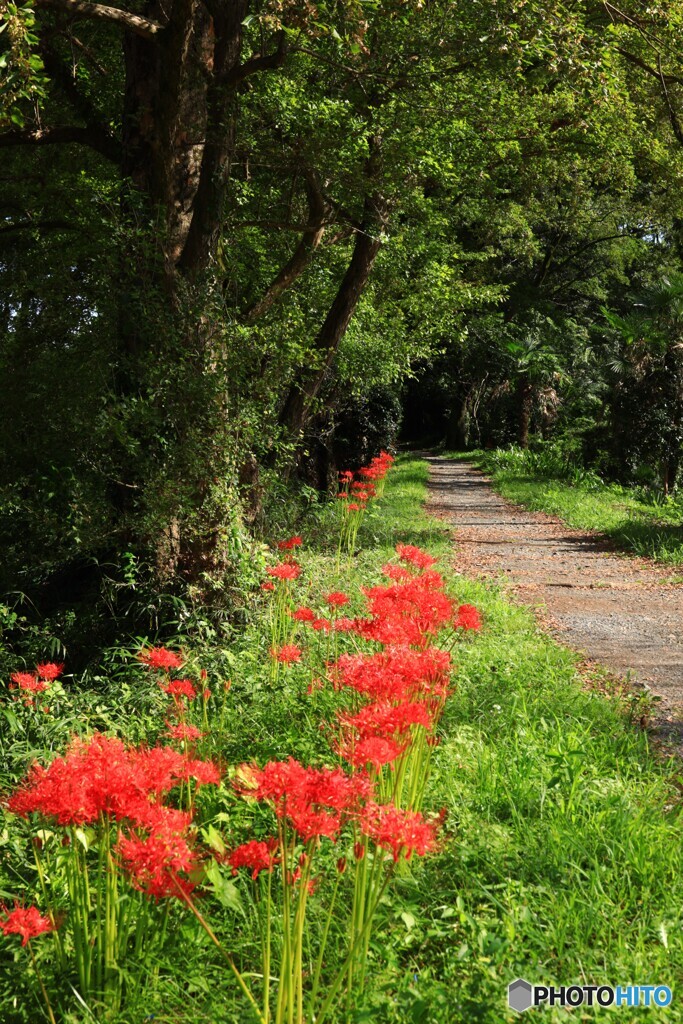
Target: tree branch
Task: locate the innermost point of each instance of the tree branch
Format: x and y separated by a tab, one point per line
81	103
259	62
37	225
639	63
108	148
82	8
302	255
673	116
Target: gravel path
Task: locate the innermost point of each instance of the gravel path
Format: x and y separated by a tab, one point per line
621	611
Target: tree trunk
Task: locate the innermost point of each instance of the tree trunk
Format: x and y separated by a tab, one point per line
302	394
458	431
525	394
304	390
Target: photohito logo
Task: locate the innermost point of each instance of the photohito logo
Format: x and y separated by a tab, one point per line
523	996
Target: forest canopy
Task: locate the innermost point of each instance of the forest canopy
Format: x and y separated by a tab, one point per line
239	241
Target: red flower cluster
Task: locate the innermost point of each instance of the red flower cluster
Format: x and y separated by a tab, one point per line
374	751
315	801
285	570
160	658
401	832
289	545
409	613
179	688
321	624
104	778
39	680
337	599
363	490
182	731
304	614
467	617
25	921
396	675
154	862
415	556
378	467
28	683
259	856
50	670
286	654
382	718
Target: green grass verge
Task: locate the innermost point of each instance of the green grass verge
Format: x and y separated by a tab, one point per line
563	846
652	529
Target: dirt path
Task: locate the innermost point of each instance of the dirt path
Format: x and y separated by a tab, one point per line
618	610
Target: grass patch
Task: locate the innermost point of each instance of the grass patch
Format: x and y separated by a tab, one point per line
646	526
562	859
565	859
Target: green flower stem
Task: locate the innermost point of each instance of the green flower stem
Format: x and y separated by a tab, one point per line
48	1006
339	980
323	946
224	953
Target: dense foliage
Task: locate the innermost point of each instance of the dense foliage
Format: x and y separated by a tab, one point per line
232	232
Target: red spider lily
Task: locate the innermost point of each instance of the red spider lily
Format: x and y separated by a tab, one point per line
375	751
407	613
304	614
204	773
353	507
398	573
268	586
25	921
287	654
467	617
397	675
285	570
182	731
363	490
161	768
346	476
50	670
415	556
180	688
30	684
160	658
386	719
321	624
155	861
343	625
401	832
102	776
288	545
259	856
314	800
337	599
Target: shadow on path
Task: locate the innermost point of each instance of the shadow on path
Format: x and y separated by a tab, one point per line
617	610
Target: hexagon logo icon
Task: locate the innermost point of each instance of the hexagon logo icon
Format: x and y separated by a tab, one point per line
520	995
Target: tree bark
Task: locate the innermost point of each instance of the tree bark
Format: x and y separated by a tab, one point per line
525	394
304	391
